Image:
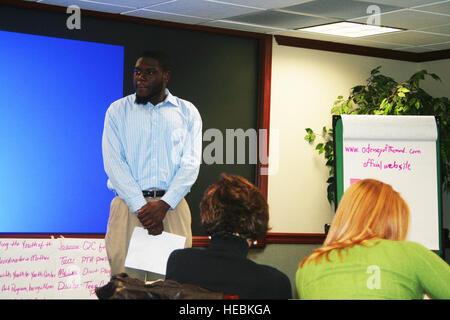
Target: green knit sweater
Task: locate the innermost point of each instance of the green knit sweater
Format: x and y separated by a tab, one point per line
386	270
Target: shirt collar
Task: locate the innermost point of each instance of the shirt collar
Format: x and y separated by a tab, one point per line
169	101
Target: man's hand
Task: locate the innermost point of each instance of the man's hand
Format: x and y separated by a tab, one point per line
156	230
151	216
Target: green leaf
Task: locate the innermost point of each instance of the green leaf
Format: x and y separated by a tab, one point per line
435	76
345	108
320	148
418	105
336	110
375	71
310	138
384	104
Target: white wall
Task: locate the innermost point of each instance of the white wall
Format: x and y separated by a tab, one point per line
442	69
439	89
305	83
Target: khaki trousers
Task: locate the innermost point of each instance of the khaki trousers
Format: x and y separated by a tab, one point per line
120	227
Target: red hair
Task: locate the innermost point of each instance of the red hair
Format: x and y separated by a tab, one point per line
369	209
234	206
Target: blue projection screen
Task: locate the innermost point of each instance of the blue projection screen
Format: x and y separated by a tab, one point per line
53	97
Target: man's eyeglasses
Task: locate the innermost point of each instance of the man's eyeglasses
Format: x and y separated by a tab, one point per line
138	72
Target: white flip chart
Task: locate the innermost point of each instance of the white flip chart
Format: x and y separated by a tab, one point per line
400	151
62	268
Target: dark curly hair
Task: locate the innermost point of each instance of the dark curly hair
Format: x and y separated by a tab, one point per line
234	206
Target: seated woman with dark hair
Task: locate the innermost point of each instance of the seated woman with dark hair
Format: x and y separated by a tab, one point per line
234	213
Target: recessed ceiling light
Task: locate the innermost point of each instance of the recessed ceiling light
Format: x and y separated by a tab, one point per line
349	29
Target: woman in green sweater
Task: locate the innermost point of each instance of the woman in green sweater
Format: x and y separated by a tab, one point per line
365	256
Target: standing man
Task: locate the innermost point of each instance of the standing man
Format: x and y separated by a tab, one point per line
152	147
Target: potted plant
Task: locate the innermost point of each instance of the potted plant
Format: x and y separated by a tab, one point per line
382	95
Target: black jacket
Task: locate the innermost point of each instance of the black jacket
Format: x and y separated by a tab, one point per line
224	267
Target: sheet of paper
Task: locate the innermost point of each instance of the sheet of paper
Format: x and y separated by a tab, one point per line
389	127
150	253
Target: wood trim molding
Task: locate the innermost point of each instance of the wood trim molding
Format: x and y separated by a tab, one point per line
274	238
295	238
200	241
264	94
362	50
52	235
434	55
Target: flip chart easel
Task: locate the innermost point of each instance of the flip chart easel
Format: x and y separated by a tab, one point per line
402	151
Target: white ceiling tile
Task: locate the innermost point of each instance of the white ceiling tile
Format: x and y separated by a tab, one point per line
243	27
400	3
310	35
340	9
373	44
280	19
440	46
331	38
204	9
409	19
442	8
444	29
94	6
156	15
413	38
131	3
264	4
339	39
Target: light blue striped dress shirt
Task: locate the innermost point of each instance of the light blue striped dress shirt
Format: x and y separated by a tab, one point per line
147	147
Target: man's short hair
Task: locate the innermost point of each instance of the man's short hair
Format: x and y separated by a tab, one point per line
234	206
160	56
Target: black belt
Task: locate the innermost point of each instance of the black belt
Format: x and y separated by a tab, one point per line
153	193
